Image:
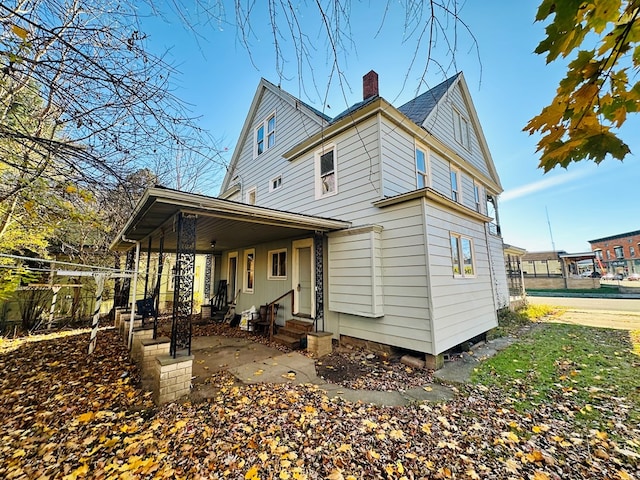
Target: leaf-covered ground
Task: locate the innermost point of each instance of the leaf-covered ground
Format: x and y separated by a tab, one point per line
64	415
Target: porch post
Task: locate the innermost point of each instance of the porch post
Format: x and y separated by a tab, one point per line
183	291
126	282
318	243
207	278
146	276
157	289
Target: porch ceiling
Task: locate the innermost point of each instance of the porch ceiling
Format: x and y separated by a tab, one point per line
231	224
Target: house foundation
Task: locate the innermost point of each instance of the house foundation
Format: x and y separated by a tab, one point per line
172	378
434	362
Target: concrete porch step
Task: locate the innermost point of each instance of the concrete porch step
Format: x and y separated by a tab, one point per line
301	325
292	332
286	340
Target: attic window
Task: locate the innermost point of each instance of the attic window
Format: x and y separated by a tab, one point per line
265	135
461	129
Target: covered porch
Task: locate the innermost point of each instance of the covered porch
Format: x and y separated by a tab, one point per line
255	256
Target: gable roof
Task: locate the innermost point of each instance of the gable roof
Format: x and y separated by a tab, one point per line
263	86
420	107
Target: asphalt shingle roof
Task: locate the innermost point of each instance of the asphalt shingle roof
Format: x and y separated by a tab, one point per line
420	107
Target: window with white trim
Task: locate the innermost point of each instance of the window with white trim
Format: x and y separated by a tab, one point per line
462	260
455	185
249	270
277	264
265	135
275	183
326	172
461	129
619	251
251	196
422	165
477	196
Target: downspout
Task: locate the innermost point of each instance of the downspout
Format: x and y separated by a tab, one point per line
135	288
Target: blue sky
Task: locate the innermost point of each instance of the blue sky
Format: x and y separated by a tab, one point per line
508	82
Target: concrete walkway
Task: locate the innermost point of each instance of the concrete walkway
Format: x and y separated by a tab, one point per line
252	362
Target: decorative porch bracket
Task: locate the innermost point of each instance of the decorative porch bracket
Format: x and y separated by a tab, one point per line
318	243
183	285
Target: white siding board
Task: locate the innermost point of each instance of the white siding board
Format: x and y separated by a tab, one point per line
440	175
398	160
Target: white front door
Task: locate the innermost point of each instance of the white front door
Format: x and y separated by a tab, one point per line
303	278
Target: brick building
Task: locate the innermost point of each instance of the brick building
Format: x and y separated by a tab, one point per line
619	253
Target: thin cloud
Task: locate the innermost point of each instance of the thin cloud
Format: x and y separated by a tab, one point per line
540	185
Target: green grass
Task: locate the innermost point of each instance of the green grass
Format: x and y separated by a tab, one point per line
603	290
592	373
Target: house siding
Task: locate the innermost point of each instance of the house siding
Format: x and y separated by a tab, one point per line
440	124
399	174
406	322
355	272
265	289
462	307
292	124
498	265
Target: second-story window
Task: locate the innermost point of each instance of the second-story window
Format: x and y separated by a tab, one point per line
619	251
632	251
326	172
477	195
265	135
455	185
421	168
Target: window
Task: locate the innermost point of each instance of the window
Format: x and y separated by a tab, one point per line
271	131
421	168
462	256
632	251
249	270
619	252
326	174
598	254
477	195
267	129
275	183
251	196
608	255
455	185
461	129
278	264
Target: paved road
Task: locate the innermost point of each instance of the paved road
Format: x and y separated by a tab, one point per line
596	312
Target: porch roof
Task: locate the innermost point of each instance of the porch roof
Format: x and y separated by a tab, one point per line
230	224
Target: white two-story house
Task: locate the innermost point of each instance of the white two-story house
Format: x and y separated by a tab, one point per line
421	266
379	225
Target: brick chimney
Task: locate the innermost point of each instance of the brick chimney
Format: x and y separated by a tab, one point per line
370	85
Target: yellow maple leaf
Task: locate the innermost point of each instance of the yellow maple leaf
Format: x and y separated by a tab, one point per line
345	447
622	475
82	470
19	31
372	455
86	417
426	427
396	434
284	475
